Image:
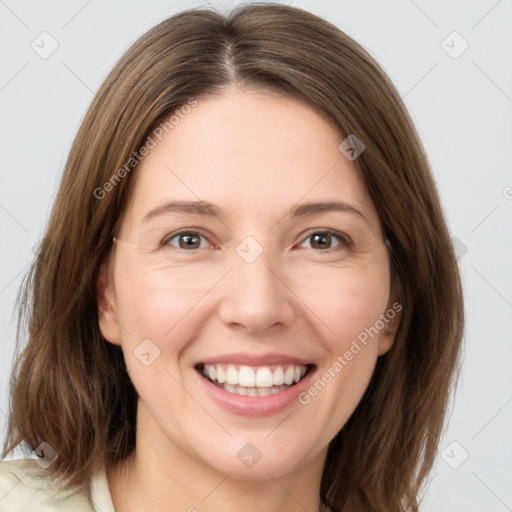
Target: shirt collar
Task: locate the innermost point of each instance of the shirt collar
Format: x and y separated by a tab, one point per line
100	492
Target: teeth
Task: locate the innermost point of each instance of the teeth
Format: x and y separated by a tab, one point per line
221	375
263	391
232	375
246	377
288	375
262	378
240	390
279	376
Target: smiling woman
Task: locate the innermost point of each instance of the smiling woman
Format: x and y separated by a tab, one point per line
266	312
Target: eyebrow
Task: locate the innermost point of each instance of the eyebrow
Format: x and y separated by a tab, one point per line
206	209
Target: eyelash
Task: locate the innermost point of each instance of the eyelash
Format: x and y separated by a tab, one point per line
346	243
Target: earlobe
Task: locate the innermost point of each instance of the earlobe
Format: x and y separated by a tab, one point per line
105	296
386	340
392	318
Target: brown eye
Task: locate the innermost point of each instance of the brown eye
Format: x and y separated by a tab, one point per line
186	240
325	239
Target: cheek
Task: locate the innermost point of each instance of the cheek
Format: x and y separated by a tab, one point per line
156	306
346	303
349	308
155	300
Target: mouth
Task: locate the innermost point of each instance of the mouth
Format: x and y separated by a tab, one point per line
254	381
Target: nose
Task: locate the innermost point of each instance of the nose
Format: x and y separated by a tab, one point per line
255	297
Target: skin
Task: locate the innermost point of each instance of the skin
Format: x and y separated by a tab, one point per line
255	155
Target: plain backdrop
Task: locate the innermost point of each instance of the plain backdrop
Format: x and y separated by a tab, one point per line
451	62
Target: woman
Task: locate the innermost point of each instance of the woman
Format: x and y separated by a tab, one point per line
246	295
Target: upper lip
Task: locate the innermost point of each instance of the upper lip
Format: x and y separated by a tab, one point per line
268	359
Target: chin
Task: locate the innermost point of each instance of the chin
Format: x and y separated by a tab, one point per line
257	458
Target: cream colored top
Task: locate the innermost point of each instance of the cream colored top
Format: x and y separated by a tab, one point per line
25	486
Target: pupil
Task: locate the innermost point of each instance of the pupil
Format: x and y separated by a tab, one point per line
187	240
324	236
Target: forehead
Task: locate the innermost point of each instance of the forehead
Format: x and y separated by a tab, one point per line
248	151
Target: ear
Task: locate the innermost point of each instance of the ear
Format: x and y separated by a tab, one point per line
105	297
391	319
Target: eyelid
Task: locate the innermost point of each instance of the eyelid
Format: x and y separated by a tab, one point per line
345	239
165	241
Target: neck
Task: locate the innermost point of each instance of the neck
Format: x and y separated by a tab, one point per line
161	477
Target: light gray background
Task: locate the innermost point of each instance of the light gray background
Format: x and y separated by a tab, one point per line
462	107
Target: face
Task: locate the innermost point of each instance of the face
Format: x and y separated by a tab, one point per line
249	287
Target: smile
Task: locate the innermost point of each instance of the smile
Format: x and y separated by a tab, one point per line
253	381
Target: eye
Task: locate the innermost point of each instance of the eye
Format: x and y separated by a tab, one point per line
186	240
190	240
324	239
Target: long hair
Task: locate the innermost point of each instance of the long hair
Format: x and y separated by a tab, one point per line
70	387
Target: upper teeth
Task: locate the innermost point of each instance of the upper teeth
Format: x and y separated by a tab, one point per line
260	377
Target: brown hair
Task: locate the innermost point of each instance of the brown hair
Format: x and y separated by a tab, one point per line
70	387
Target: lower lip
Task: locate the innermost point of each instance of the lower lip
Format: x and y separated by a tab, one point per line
255	405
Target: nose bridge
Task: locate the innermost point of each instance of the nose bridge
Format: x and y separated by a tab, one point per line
256	296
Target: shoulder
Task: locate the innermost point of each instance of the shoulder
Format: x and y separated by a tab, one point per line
25	486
